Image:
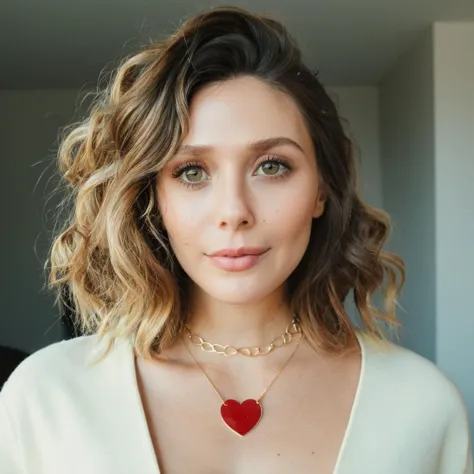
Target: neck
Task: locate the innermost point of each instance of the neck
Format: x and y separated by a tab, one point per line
238	325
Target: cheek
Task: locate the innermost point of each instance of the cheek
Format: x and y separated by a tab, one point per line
180	228
291	217
180	219
292	232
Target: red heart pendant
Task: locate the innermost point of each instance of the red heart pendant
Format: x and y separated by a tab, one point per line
241	417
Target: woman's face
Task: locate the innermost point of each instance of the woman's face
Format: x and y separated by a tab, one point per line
228	189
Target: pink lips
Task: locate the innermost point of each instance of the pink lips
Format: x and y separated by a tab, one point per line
236	260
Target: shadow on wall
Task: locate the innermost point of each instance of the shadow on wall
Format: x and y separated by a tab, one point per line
10	359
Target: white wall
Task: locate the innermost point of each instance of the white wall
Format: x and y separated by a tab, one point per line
360	107
427	112
407	144
29	123
454	158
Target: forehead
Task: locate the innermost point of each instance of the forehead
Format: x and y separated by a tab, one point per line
232	113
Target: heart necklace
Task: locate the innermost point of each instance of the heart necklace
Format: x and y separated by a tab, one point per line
241	418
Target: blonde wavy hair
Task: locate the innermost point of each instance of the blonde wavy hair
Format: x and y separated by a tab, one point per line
111	262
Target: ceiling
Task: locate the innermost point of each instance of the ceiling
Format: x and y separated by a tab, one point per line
65	44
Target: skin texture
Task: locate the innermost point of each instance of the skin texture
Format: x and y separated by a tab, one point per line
237	198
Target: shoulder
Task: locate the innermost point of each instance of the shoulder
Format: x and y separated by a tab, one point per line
55	360
403	370
409	397
65	363
406	375
412	388
65	393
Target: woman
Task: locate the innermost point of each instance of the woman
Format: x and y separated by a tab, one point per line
216	234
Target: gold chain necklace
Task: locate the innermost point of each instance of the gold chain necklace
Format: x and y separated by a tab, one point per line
252	351
241	418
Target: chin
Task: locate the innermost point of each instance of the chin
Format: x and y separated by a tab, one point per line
237	300
238	294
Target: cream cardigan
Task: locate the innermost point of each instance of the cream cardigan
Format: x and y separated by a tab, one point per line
59	414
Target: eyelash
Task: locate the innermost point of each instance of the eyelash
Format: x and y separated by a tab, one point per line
181	169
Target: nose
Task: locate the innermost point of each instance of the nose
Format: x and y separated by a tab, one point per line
233	206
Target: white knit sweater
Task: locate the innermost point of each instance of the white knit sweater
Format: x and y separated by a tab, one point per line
61	415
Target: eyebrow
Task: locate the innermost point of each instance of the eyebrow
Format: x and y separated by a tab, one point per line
260	146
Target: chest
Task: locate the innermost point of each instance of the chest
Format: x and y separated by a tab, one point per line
303	424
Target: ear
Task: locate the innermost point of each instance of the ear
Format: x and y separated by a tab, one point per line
320	203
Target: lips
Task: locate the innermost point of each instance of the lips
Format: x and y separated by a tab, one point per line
237	260
240	252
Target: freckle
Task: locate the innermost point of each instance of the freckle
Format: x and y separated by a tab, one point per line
312	452
278	454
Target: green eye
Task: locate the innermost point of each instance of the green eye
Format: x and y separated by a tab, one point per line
193	175
270	168
273	167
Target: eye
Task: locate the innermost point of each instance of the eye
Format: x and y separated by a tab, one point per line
193	174
273	167
270	168
190	174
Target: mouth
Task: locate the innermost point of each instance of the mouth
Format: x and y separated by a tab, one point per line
239	252
237	260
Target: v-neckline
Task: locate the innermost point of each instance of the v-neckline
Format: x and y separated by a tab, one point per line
356	402
139	410
145	433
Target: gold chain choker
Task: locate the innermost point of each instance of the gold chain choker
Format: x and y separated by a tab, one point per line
252	351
